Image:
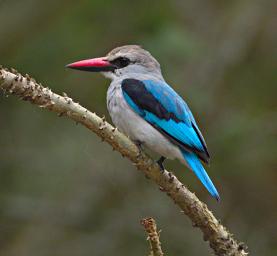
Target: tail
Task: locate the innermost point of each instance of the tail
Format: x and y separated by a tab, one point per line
196	166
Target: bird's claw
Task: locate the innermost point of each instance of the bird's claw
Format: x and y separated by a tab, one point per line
160	163
139	145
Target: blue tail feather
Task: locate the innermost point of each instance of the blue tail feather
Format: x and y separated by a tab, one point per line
196	166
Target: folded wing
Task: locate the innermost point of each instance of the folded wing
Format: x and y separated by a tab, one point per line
165	110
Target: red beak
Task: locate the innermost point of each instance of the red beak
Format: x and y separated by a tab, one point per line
93	65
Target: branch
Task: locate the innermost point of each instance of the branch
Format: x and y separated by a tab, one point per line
153	236
26	88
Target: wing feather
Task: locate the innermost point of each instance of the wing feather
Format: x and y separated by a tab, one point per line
165	110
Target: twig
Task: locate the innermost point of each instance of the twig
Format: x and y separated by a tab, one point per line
26	88
153	236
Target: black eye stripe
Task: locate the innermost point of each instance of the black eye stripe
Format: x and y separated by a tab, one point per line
121	62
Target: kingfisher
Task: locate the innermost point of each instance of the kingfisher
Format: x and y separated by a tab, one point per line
145	108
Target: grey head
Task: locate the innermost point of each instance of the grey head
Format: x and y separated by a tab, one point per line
124	61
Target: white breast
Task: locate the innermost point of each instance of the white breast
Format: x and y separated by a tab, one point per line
136	127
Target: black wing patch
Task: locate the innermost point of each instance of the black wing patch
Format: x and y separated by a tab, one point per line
202	142
137	91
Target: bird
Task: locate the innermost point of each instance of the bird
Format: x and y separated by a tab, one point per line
149	111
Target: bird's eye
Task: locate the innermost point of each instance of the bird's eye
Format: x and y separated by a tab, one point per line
121	62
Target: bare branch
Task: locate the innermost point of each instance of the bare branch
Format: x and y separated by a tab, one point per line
220	240
153	236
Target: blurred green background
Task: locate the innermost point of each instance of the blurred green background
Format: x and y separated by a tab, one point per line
64	193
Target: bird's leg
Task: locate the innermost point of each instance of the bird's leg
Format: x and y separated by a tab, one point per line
160	163
139	145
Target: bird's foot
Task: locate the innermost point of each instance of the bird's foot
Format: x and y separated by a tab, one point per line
139	145
160	163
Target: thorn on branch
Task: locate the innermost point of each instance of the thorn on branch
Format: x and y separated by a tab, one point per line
102	126
33	80
194	225
162	189
242	246
48	104
14	71
28	77
171	177
62	114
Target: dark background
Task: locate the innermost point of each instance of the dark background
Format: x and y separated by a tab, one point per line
64	193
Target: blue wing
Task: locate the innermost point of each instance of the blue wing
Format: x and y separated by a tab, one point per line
165	110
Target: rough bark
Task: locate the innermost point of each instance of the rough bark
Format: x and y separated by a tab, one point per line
153	236
26	88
